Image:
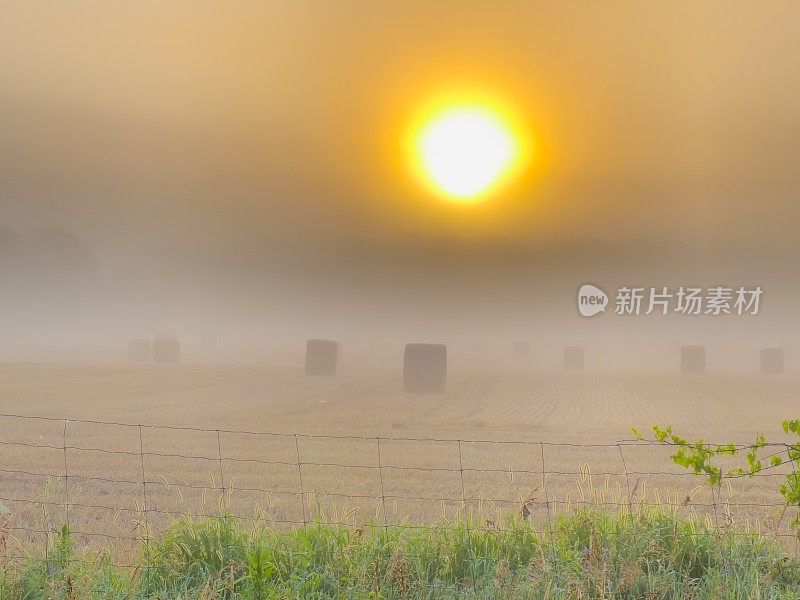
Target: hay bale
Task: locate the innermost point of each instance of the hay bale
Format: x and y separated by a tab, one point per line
140	350
573	358
693	359
425	368
522	349
322	357
772	361
166	350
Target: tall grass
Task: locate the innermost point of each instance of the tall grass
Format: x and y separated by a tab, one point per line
586	555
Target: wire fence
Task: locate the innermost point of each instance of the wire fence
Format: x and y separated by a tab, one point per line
117	485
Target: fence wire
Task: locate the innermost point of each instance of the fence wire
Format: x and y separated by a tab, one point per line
118	485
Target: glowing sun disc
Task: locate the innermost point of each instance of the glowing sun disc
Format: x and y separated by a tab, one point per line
464	151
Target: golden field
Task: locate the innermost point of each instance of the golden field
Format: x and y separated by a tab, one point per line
287	447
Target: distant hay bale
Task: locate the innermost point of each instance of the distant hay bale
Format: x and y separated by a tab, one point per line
772	361
140	350
425	368
322	357
166	350
522	349
573	358
693	359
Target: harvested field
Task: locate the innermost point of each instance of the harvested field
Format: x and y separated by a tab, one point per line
288	447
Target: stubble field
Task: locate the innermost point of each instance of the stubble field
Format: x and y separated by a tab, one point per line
273	444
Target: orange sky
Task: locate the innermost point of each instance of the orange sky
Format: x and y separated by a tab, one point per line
251	129
629	103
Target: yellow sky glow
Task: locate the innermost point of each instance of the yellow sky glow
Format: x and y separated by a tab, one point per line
464	151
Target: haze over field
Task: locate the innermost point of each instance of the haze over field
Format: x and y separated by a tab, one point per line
364	264
236	170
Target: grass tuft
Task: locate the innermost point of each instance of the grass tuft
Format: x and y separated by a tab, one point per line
587	555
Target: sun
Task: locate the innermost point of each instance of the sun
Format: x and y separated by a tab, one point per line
465	151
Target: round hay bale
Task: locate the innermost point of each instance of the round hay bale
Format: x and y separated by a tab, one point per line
772	361
166	350
322	357
522	349
425	368
573	358
693	359
140	350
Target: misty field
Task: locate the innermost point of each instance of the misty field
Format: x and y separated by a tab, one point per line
274	445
